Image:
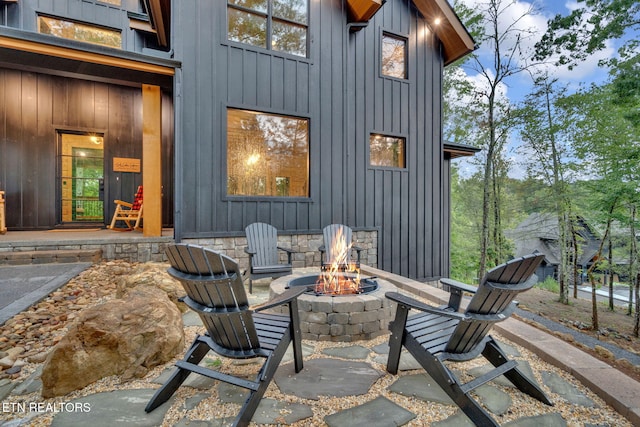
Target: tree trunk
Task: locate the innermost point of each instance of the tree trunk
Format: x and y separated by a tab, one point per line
636	325
611	307
577	277
594	304
633	256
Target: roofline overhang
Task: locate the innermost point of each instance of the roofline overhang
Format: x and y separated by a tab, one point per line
160	15
70	49
445	23
455	150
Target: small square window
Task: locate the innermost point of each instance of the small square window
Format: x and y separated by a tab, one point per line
386	151
394	56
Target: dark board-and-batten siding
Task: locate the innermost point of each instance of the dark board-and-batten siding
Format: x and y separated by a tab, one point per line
36	107
340	89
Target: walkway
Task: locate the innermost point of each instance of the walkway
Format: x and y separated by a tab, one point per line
330	372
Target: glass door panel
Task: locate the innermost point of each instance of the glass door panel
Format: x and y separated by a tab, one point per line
82	172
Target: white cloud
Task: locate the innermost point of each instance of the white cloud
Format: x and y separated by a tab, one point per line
529	19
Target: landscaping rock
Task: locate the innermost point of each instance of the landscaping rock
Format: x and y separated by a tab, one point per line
120	337
147	275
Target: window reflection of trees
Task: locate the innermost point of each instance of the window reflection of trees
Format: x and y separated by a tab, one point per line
267	155
249	21
394	56
386	151
81	32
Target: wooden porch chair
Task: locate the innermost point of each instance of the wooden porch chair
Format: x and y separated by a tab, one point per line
262	247
436	335
215	291
128	213
328	253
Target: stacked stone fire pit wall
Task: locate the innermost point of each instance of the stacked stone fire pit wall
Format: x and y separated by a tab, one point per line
343	318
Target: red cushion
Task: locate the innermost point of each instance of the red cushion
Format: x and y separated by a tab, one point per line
137	201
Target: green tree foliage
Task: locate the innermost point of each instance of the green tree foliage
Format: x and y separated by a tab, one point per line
586	30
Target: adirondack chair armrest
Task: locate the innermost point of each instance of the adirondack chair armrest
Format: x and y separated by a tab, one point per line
456	290
288	251
417	305
286	297
123	203
459	286
249	251
499	317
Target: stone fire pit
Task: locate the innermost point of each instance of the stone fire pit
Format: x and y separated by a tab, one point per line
342	318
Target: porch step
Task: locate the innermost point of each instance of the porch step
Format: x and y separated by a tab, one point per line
47	257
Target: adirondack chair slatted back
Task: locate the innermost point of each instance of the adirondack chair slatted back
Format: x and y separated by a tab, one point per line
214	287
330	234
494	296
263	239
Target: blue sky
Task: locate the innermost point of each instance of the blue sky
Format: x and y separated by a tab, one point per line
516	87
585	73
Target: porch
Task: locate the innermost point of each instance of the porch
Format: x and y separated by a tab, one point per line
90	245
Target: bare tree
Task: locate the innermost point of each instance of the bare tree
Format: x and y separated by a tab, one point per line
505	35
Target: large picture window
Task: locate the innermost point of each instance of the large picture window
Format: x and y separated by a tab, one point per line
280	25
267	154
386	151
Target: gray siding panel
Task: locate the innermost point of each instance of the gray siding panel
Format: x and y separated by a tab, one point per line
340	89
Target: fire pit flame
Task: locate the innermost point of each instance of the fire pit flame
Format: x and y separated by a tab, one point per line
342	277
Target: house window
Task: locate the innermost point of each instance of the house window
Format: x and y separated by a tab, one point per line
267	154
386	151
394	56
80	32
279	25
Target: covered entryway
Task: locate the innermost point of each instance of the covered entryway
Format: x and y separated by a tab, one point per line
73	129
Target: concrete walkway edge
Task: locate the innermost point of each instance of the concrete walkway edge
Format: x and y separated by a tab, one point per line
614	387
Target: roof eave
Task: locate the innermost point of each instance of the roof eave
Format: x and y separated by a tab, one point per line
445	23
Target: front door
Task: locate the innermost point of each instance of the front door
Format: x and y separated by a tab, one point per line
81	179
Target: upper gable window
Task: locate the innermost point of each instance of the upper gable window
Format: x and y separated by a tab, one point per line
394	56
80	32
280	25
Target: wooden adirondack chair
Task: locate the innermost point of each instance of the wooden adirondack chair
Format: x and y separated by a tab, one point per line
262	241
215	291
330	251
128	213
436	335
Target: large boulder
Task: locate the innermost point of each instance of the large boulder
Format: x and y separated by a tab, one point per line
124	337
152	274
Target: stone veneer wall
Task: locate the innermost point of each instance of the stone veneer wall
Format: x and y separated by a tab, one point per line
146	249
44	251
305	245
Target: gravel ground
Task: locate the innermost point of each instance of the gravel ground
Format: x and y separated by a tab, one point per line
39	328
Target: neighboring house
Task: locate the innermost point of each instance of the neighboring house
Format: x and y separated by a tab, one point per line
539	233
296	113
